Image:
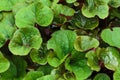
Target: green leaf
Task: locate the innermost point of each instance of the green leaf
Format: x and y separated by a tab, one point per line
114	3
24	39
62	9
10	74
111	58
53	60
6	27
46	69
95	7
101	76
116	75
62	42
81	21
38	56
33	75
70	1
44	15
1	15
19	6
20	65
46	2
111	36
25	17
78	65
6	5
46	77
93	61
83	43
4	63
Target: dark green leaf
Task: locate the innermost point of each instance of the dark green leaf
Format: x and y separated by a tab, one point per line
101	76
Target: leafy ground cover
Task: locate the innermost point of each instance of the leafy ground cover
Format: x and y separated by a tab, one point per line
59	39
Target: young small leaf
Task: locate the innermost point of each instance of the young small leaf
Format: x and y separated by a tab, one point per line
83	43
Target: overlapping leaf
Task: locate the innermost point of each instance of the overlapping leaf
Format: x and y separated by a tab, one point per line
96	7
24	40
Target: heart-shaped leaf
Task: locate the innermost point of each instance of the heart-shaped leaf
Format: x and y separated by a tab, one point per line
95	7
83	43
111	36
24	39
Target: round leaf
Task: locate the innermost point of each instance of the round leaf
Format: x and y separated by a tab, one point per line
83	43
24	39
43	14
111	36
4	63
116	75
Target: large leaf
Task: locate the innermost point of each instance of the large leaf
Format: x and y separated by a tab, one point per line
4	63
33	75
62	42
78	65
25	17
101	76
24	40
83	43
46	77
81	21
93	61
95	7
111	36
43	14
